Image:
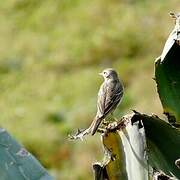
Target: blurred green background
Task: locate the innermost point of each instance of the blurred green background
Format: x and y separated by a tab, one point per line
50	55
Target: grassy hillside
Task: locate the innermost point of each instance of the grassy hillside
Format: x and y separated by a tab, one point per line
50	56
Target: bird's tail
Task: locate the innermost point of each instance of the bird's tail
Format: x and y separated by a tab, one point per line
95	124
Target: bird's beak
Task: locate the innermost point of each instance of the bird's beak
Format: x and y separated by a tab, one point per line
101	74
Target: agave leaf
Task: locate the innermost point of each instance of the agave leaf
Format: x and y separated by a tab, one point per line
163	143
142	143
126	142
116	168
167	75
16	163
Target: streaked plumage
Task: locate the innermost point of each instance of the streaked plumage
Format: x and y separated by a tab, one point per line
109	96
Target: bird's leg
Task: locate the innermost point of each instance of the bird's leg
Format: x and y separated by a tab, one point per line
114	123
111	121
102	130
114	118
105	122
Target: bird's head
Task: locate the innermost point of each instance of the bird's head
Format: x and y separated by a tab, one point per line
109	73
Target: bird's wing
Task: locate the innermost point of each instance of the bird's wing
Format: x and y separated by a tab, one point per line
100	108
109	96
101	101
113	96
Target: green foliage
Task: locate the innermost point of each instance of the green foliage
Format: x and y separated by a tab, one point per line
17	163
127	144
168	82
163	142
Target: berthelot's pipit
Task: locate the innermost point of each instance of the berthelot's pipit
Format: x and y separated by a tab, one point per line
109	96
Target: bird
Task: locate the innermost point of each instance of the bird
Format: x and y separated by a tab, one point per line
109	97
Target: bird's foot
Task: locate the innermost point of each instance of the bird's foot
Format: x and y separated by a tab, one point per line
105	123
112	125
103	131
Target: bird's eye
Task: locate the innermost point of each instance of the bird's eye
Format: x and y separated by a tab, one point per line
104	72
